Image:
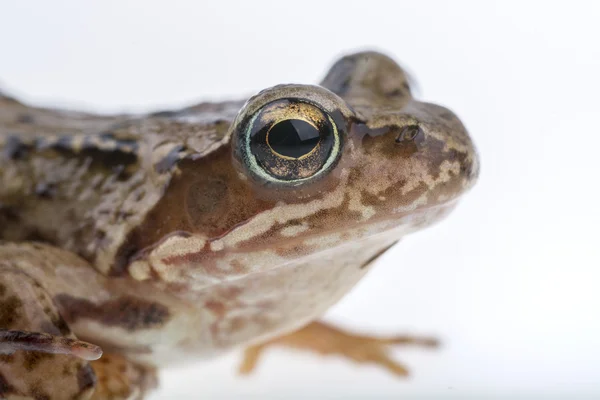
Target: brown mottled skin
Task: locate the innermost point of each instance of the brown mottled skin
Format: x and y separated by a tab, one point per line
157	238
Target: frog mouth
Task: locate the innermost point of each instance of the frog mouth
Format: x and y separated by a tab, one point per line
204	258
293	238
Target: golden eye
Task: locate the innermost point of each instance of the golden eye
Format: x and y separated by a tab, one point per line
288	141
289	135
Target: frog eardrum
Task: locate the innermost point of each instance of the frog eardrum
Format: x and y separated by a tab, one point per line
290	134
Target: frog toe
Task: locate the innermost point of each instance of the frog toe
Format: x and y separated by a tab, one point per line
325	339
13	340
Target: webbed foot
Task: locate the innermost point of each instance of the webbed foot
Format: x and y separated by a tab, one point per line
325	339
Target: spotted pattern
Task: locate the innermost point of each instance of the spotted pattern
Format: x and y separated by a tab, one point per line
128	312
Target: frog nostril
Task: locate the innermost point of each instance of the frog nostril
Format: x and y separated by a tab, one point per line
408	140
408	134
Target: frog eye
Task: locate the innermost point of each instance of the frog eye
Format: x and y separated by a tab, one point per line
288	141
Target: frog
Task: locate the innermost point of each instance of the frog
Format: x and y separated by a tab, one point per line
133	242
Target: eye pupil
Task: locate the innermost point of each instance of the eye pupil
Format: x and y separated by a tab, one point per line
293	138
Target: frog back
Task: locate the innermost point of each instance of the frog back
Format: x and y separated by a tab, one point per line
83	181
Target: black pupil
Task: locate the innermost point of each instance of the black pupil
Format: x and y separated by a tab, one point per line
293	138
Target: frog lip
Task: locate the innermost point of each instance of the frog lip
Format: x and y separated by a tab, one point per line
395	222
403	221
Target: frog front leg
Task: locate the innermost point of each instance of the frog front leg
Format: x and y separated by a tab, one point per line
325	339
40	357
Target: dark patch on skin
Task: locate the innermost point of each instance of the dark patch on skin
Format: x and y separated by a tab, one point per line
5	387
164	114
120	142
216	307
65	142
7	358
466	166
128	312
126	254
109	158
169	160
89	149
2	289
25	118
100	236
121	172
34	235
122	368
397	92
48	327
45	190
374	200
38	394
139	195
124	215
8	214
15	149
31	359
40	247
295	250
377	255
86	378
10	311
409	197
55	324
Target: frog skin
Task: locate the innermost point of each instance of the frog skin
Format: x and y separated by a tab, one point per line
179	235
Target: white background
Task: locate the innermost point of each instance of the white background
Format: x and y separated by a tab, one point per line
510	281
